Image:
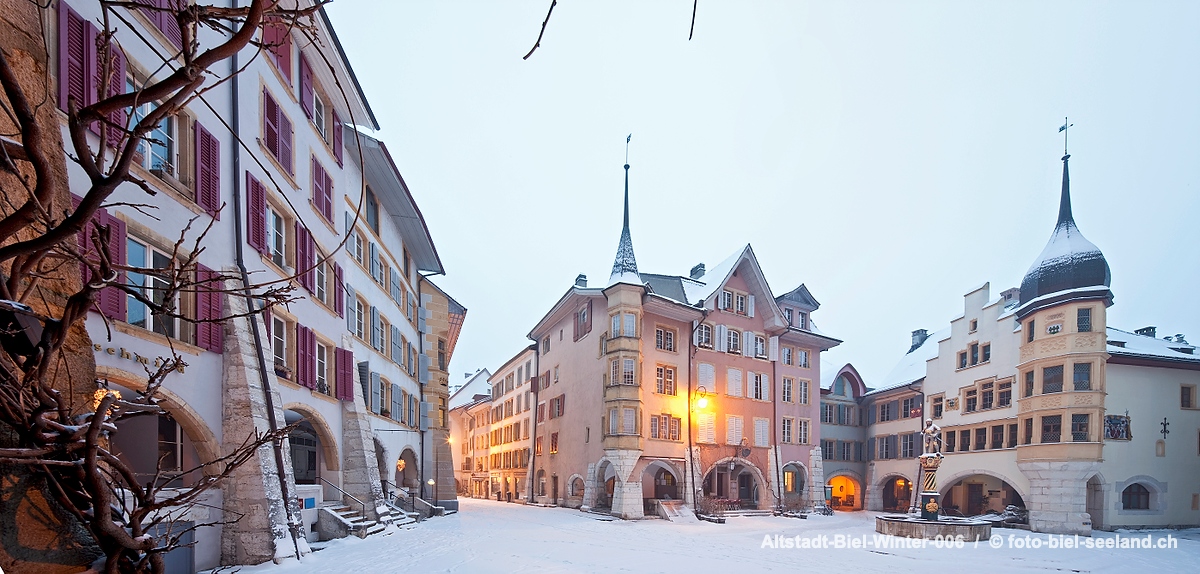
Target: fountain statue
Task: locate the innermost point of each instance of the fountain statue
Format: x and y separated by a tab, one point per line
930	460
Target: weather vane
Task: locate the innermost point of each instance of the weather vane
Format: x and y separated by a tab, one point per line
627	138
1063	128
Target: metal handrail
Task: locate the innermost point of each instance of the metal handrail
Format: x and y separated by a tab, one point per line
347	494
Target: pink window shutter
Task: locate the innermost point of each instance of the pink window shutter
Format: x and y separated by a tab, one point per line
112	299
208	172
116	86
337	138
76	44
306	87
270	123
256	214
285	144
328	202
208	310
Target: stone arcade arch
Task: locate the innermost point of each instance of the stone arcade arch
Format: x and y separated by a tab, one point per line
847	490
895	491
977	491
794	489
661	481
314	429
737	479
605	484
406	470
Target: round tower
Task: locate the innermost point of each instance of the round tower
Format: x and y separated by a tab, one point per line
1064	298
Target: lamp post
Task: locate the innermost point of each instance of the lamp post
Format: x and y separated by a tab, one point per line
699	403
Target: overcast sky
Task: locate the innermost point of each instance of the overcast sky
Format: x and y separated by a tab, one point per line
890	155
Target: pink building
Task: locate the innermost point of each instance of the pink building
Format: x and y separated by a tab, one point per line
659	388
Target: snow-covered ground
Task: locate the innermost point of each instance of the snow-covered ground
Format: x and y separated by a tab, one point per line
488	536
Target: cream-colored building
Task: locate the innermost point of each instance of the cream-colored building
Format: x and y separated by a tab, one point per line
1043	405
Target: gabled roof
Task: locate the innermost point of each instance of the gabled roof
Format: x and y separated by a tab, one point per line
851	374
800	296
361	113
1132	345
669	286
476	385
911	367
394	196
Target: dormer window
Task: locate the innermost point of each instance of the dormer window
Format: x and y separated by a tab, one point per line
803	321
726	300
787	314
739	304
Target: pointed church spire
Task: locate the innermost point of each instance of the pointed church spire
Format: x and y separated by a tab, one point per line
625	265
1064	203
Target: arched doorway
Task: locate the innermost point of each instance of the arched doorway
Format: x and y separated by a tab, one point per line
1095	501
795	479
305	448
977	494
897	494
155	445
660	481
736	482
406	470
847	494
606	482
541	482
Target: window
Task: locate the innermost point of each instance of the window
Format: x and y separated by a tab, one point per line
733	429
1187	396
987	352
726	301
153	287
664	339
360	319
555	373
1083	319
623	371
277	132
706	428
1029	384
441	354
537	450
318	116
974	353
1135	497
1052	379
629	421
1012	435
277	236
624	325
356	246
803	320
758	387
936	404
972	401
804	392
826	413
704	336
988	395
887	411
1051	428
787	355
1079	427
279	347
1029	333
910	407
802	358
964	440
907	445
323	362
760	347
665	380
546	345
980	438
787	390
734	341
998	436
786	428
1083	376
787	314
802	432
665	427
739	304
321	277
887	447
962	360
949	443
553	443
1005	394
974	325
170	444
1028	431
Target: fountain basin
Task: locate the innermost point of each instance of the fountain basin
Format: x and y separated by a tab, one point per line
948	527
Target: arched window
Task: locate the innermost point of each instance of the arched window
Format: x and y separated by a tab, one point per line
1135	497
839	386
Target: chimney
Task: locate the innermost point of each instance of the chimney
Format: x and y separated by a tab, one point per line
697	271
1147	331
918	339
1010	295
581	280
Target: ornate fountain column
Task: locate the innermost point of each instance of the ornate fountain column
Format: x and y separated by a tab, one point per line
929	492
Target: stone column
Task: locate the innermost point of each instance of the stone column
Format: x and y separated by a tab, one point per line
1057	501
360	468
589	487
627	493
816	467
253	491
874	493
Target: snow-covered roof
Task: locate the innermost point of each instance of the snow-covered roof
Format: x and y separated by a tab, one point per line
703	287
911	367
1135	345
476	385
829	372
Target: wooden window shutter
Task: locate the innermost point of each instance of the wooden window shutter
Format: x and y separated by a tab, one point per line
164	20
76	42
302	255
256	214
271	123
747	344
112	300
306	87
397	403
576	328
116	86
344	374
397	345
302	357
750	305
285	143
328	212
339	289
351	314
279	42
397	295
208	310
337	138
375	328
376	393
208	172
318	186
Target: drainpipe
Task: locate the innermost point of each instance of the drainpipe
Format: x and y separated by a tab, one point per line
277	446
692	349
531	474
775	427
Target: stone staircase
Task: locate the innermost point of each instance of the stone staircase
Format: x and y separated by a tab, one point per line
363	527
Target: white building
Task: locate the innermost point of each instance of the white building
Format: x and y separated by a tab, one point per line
271	158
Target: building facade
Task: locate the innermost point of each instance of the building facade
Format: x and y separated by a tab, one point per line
700	388
1043	405
271	158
